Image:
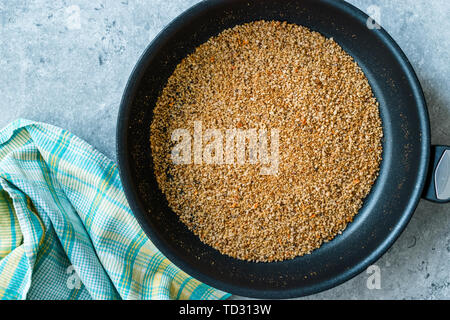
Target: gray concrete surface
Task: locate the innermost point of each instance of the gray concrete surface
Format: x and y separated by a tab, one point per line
67	62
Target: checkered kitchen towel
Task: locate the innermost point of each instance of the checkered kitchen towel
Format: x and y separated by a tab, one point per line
66	231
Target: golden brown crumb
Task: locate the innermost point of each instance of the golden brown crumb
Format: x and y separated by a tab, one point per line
271	75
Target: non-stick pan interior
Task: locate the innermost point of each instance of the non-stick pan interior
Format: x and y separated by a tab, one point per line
386	210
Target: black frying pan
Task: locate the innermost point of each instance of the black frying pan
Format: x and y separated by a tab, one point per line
386	210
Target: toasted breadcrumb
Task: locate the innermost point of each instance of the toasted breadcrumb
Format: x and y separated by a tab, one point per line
271	75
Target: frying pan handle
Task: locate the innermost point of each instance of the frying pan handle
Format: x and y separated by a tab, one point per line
437	188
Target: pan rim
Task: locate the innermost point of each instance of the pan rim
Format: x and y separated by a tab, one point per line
134	201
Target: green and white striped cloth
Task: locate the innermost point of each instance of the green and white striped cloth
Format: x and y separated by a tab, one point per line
66	231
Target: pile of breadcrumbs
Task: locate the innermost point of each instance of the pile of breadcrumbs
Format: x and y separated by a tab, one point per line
271	75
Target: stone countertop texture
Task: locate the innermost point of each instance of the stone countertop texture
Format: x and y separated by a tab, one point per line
67	63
